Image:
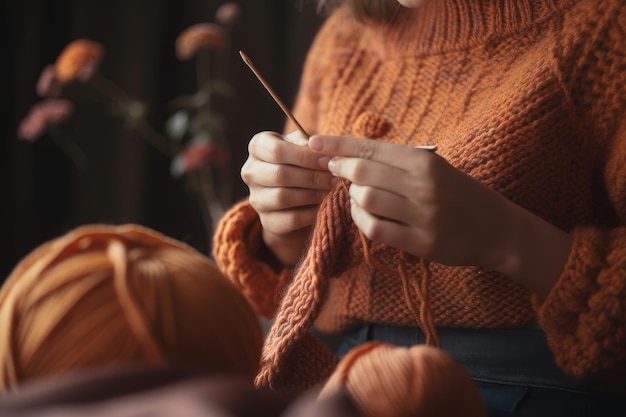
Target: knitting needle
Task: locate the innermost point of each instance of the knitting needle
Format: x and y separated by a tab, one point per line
273	94
284	108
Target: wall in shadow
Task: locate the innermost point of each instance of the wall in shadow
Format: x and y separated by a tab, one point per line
44	195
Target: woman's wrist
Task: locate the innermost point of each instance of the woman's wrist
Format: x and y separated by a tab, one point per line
535	253
287	248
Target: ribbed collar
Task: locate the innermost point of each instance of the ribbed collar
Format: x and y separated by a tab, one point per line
442	25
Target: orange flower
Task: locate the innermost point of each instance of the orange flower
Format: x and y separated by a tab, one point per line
227	13
197	37
79	60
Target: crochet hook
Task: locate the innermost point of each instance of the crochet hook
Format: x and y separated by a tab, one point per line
273	93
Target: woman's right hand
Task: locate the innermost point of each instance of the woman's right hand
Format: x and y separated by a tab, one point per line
287	184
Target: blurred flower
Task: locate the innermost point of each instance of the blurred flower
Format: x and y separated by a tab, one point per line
129	110
46	82
198	155
195	136
79	60
208	127
197	37
43	114
177	125
228	13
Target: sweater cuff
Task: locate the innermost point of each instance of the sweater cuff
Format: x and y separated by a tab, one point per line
560	314
242	256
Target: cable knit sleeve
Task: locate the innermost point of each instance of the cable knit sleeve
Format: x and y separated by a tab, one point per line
585	314
242	256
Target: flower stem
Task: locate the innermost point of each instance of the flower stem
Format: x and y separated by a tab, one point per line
69	147
211	200
155	138
203	70
108	88
140	124
210	207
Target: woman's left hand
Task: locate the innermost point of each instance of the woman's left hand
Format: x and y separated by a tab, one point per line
414	200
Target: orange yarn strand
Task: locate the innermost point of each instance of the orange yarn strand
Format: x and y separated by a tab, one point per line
136	319
432	336
422	314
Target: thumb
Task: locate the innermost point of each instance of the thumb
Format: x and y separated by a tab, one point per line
297	138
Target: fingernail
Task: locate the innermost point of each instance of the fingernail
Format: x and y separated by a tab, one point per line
316	143
323	162
332	166
352	202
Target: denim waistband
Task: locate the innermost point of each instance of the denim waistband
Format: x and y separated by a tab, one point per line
505	356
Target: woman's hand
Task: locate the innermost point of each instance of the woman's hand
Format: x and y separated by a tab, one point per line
414	200
286	187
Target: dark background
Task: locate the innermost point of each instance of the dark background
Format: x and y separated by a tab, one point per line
44	194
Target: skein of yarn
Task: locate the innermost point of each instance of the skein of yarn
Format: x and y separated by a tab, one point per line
102	296
392	381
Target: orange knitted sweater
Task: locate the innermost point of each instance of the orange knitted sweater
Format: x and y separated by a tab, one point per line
526	96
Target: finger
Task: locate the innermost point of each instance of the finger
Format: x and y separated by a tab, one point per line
297	138
279	198
390	206
286	221
401	156
390	233
278	149
259	173
409	185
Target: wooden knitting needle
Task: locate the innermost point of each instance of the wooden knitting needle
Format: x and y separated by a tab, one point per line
285	109
273	94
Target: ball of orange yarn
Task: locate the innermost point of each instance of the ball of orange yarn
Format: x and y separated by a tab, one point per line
391	381
113	295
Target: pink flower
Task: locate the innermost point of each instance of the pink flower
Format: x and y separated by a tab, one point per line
79	60
228	13
46	82
197	37
42	115
196	156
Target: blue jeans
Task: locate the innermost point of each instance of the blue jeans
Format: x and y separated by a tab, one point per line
514	370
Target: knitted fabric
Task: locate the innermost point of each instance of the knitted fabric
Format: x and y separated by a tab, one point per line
526	96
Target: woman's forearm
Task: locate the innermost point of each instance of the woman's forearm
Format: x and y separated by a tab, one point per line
536	253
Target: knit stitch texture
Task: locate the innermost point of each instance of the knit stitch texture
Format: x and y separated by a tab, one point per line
526	96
